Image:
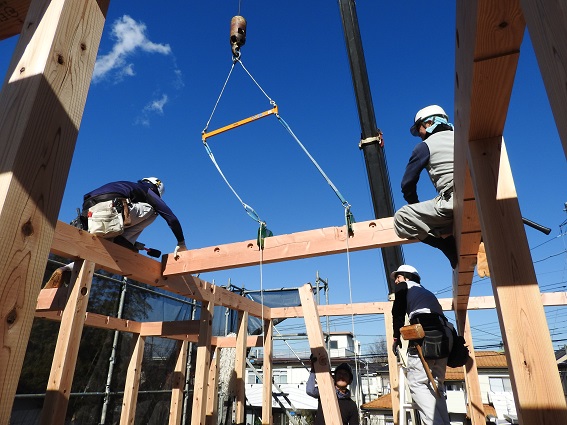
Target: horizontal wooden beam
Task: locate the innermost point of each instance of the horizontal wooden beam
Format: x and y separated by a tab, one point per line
70	242
97	321
371	234
12	16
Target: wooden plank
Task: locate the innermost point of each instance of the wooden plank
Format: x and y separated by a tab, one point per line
178	385
529	351
212	389
73	243
377	233
327	395
132	385
51	299
199	410
41	106
97	321
165	329
488	38
12	16
475	408
393	368
67	347
267	415
240	367
230	342
548	32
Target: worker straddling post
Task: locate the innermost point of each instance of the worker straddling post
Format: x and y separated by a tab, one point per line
342	377
429	220
423	307
120	211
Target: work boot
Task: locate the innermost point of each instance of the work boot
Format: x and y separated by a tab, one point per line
60	277
447	246
122	241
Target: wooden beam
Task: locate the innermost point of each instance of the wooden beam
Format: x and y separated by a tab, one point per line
213	390
199	410
475	407
70	242
67	347
132	385
548	32
178	384
41	106
12	16
267	415
488	38
377	233
240	367
537	389
327	394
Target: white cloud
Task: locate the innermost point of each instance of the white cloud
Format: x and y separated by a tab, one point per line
130	36
157	105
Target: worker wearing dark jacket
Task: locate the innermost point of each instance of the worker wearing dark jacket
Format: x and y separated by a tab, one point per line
422	307
120	211
430	220
342	377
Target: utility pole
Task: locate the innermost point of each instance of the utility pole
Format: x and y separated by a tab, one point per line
371	138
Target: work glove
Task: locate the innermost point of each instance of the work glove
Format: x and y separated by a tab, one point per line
179	248
396	345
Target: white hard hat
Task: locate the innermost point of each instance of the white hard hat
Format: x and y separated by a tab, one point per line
405	268
157	183
422	114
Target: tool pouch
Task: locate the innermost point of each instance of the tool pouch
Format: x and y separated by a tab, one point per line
435	344
105	220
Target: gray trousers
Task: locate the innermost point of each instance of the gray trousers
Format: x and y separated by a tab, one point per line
428	218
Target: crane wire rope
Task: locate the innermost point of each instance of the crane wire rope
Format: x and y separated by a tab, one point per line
349	218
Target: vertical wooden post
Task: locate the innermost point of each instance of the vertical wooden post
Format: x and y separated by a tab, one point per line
67	348
240	366
199	410
178	384
325	381
132	385
538	393
267	417
393	368
475	407
212	390
548	31
41	106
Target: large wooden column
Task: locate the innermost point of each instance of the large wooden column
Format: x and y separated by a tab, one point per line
67	348
547	24
178	384
212	389
199	411
325	381
240	366
132	385
475	407
41	107
267	416
538	393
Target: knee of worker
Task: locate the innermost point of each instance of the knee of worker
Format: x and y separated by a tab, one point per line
404	225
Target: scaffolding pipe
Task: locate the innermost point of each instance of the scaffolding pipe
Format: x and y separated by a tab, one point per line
112	360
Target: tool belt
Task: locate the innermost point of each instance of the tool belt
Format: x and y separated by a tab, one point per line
435	344
107	214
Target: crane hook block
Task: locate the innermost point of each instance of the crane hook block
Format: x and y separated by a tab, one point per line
237	34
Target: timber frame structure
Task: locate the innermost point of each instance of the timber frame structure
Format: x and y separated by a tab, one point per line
41	107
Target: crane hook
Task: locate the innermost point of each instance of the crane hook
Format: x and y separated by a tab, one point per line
237	34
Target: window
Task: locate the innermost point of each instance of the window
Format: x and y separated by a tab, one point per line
280	376
334	345
500	385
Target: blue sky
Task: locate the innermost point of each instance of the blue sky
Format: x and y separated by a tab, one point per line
158	77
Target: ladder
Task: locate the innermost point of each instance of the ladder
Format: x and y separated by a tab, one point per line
406	403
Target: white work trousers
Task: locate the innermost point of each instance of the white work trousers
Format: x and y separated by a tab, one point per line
141	216
428	218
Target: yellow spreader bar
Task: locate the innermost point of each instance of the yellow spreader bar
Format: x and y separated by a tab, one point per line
272	111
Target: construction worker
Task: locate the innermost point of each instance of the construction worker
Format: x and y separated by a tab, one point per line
120	211
430	220
423	307
342	377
